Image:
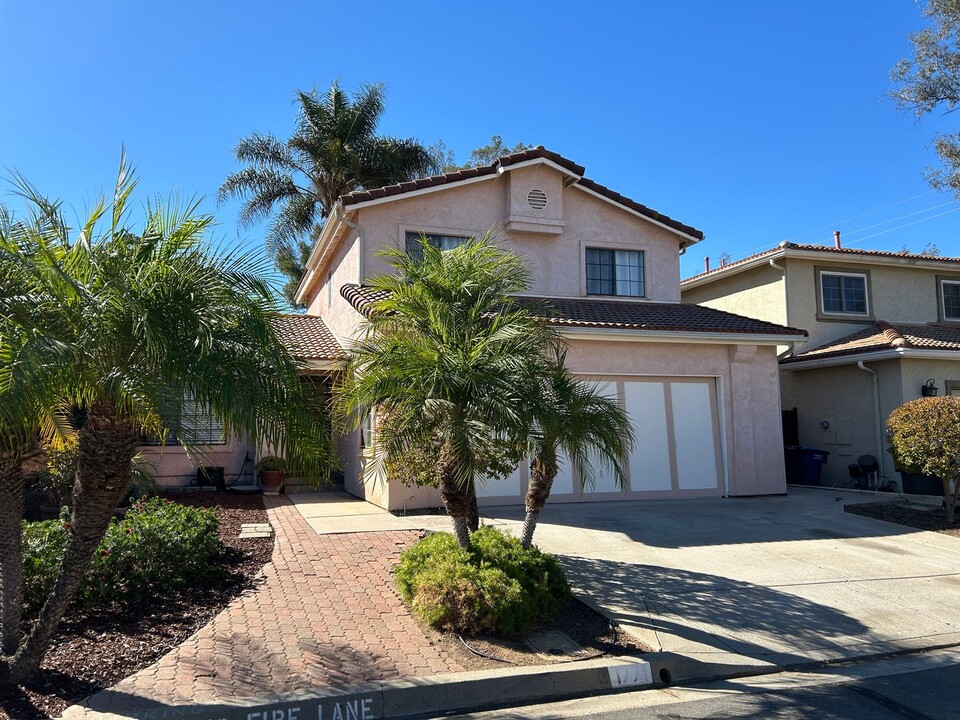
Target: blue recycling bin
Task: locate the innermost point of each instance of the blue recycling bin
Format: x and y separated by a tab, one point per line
804	465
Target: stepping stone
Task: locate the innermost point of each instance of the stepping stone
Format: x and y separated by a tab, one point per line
255	530
551	644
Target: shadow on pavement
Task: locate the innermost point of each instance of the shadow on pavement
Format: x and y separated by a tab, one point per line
717	612
715	522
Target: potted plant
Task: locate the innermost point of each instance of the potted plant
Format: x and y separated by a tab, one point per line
271	469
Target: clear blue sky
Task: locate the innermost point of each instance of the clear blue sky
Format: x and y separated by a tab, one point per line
755	121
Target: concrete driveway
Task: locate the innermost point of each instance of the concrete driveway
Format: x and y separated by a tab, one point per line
781	580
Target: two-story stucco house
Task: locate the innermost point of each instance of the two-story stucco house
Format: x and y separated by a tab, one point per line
881	326
700	384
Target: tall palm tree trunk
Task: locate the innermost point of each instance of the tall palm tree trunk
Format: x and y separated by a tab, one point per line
473	521
11	552
106	446
543	471
456	497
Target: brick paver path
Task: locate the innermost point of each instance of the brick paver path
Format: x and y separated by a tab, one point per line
326	614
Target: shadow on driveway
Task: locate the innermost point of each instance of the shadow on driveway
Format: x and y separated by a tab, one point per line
712	611
802	515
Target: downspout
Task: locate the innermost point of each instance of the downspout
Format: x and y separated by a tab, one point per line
786	314
876	410
361	236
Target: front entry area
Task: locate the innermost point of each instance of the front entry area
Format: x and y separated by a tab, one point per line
677	452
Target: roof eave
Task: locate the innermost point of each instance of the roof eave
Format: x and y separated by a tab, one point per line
872	356
320	249
677	336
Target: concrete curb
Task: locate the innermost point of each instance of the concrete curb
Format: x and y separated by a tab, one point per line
408	698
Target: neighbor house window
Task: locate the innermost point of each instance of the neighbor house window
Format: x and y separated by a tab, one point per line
441	242
203	428
950	299
843	293
614	272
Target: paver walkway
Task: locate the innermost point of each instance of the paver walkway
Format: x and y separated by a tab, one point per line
326	614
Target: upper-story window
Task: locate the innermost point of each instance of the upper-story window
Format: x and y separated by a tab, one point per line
442	242
843	293
614	272
950	299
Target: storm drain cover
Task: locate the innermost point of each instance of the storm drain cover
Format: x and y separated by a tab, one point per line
255	530
551	644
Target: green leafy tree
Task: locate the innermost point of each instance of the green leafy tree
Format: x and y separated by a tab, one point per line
572	416
445	160
924	436
128	323
930	80
451	361
333	150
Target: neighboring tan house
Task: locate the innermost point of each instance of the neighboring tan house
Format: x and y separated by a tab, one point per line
881	326
700	385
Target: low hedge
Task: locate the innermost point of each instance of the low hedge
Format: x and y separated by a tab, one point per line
495	586
157	547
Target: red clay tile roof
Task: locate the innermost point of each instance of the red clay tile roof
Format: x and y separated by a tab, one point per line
359	196
827	249
588	313
307	337
886	336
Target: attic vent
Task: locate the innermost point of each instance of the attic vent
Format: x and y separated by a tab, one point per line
537	199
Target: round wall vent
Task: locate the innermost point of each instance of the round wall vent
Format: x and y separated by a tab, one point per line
537	199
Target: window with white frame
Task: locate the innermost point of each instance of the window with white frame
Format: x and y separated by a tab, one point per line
950	299
441	242
614	272
843	293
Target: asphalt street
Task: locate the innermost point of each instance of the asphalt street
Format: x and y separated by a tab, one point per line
915	687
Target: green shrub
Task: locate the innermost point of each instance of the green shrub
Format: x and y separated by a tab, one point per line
159	546
43	545
495	586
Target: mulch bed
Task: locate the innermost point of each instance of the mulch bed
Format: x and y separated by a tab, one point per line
593	632
94	650
922	519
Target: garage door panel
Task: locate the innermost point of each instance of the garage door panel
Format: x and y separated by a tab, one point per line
563	483
649	461
694	431
604	479
509	486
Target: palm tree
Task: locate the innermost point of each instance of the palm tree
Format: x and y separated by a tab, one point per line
30	366
148	318
333	150
449	361
574	418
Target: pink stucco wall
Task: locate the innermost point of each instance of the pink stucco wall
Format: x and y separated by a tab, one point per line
556	262
172	467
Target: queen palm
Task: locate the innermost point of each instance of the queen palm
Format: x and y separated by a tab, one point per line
334	149
449	361
572	417
147	317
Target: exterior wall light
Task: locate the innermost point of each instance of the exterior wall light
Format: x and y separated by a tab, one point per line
929	390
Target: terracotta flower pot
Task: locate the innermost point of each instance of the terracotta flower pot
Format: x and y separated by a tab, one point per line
271	481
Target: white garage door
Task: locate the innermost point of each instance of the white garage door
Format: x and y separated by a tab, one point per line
676	453
677	447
